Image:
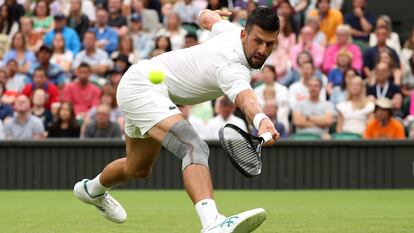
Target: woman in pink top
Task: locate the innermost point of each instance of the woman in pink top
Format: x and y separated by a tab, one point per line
306	43
343	41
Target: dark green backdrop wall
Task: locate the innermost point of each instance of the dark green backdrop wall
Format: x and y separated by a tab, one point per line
288	165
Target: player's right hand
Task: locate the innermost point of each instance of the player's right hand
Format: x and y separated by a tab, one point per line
266	125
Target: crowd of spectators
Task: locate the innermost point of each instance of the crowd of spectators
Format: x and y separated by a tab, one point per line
334	73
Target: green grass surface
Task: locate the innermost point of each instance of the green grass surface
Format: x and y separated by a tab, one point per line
172	212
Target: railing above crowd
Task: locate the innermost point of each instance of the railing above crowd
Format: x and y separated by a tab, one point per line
335	74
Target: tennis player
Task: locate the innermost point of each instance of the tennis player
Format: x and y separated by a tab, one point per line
220	65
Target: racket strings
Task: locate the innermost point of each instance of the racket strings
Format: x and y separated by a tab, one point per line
242	150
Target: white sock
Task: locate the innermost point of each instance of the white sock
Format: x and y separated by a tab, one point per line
95	188
207	211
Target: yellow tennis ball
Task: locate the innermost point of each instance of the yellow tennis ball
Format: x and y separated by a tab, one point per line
156	76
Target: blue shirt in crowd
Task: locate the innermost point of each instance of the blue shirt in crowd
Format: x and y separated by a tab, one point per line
5	111
109	35
335	77
70	36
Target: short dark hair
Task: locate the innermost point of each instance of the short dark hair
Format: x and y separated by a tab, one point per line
84	65
41	70
191	35
263	17
45	48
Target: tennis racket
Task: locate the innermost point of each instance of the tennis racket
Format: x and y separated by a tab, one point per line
243	149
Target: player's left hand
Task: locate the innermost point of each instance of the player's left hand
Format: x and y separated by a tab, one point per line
223	13
266	125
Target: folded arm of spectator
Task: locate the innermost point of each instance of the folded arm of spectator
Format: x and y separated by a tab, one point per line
300	121
322	121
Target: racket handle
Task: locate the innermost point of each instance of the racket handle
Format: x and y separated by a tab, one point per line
266	136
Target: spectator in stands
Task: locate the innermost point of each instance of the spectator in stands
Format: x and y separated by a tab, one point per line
225	109
313	115
114	77
384	87
70	36
343	35
61	56
19	53
106	37
95	57
5	109
357	111
199	126
15	10
306	43
121	63
23	125
329	19
1	131
77	19
150	20
285	9
39	100
162	45
65	125
33	38
340	94
294	75
116	115
187	10
271	110
384	126
55	74
372	54
126	47
337	75
40	81
102	126
396	71
408	78
360	20
143	42
412	104
281	94
4	36
299	91
320	37
174	31
407	61
280	56
190	39
82	93
393	40
116	20
7	26
42	20
15	81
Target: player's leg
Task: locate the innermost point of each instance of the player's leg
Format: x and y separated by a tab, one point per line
177	135
141	154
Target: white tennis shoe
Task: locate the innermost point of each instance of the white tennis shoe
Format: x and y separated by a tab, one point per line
105	204
244	222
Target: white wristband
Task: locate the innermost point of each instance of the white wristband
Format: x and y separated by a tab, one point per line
258	118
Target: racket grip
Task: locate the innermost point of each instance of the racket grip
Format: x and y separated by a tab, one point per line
266	136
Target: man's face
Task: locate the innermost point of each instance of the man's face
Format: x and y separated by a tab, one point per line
39	78
382	114
22	104
314	88
114	6
60	23
258	44
323	7
102	115
43	57
358	3
268	76
89	41
12	68
307	70
83	74
307	33
102	17
382	72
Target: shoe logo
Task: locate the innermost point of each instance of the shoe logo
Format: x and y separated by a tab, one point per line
226	223
172	107
204	203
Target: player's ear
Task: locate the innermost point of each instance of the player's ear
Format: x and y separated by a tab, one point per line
243	34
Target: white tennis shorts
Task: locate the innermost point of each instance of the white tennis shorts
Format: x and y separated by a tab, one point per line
144	104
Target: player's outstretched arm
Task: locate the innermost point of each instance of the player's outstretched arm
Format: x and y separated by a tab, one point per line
207	18
246	100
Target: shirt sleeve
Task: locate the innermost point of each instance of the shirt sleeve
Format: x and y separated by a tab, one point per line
223	26
233	79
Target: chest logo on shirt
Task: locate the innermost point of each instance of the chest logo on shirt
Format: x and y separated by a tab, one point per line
172	107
